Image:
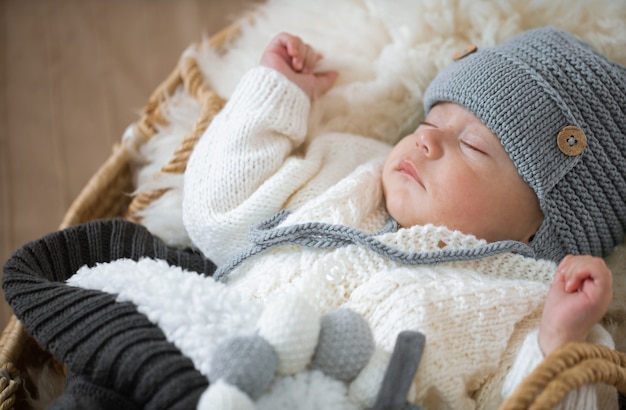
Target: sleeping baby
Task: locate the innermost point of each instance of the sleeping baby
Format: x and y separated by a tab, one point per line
484	229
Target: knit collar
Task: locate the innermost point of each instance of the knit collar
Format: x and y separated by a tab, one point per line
268	234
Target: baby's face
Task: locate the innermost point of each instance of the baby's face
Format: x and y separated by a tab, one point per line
453	171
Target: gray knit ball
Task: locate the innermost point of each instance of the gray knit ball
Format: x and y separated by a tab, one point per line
345	345
248	362
529	91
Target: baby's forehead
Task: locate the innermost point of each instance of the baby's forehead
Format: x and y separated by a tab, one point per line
454	113
450	110
457	115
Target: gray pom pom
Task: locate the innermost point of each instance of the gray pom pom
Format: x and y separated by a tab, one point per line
248	362
345	345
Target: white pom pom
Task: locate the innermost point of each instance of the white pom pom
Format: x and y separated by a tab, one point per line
365	387
223	396
307	390
291	325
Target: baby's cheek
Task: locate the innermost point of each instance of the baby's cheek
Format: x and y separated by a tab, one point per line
467	211
400	208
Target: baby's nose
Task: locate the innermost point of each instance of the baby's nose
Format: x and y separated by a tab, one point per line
430	144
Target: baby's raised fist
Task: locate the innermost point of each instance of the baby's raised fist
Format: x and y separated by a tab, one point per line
296	60
580	295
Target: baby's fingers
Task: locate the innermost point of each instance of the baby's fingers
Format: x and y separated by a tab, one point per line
294	50
303	56
311	58
586	274
575	281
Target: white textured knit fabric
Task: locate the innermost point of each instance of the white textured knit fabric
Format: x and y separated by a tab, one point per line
248	165
256	159
292	326
366	385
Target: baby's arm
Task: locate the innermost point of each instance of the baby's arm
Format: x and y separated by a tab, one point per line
587	397
580	295
243	169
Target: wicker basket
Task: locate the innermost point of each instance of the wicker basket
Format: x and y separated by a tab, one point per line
106	195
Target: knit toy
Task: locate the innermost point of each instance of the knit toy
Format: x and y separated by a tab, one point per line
99	297
292	338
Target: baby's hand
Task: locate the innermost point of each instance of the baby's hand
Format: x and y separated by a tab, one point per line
580	295
293	58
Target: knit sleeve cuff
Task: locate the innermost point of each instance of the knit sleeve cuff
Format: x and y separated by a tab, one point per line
265	93
528	358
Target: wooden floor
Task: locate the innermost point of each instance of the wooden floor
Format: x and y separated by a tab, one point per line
73	75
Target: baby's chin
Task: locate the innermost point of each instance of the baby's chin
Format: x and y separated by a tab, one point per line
398	211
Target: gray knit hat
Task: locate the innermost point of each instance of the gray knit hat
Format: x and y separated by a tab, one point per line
559	109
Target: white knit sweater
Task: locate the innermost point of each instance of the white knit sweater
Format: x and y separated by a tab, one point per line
478	317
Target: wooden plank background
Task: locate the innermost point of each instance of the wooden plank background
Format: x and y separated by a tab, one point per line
73	75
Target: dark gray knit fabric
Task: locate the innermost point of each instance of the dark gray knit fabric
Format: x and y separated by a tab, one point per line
526	90
81	393
115	355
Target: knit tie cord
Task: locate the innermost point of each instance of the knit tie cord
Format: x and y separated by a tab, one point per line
267	234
